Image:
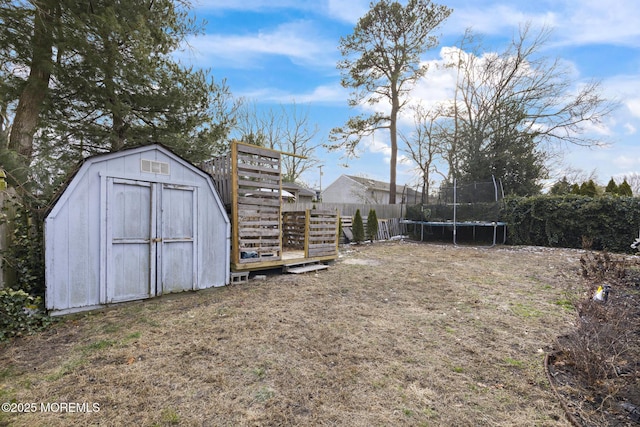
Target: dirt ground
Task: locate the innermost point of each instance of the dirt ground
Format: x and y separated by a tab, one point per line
398	333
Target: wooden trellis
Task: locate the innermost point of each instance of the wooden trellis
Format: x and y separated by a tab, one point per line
320	233
249	180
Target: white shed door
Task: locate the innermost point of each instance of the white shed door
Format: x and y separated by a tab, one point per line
131	254
177	257
151	246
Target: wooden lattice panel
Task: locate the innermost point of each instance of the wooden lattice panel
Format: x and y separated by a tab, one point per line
293	230
220	170
322	233
257	184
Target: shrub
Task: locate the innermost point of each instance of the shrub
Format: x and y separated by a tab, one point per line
605	341
24	256
372	225
570	221
20	314
358	227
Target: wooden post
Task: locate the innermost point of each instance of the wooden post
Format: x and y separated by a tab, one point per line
307	234
235	232
337	231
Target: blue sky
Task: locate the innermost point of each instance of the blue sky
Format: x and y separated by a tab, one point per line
273	52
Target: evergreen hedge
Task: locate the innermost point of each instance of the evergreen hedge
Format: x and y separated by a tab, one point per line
607	222
573	221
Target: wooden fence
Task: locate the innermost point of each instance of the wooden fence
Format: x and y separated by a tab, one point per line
256	208
388	215
313	231
293	229
321	233
387	228
220	170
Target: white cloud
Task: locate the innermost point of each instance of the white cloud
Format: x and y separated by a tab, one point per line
584	22
633	104
626	162
437	86
603	129
596	21
294	40
630	129
320	94
253	5
345	11
376	145
494	17
326	93
348	11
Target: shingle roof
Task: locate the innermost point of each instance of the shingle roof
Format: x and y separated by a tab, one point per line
299	188
372	184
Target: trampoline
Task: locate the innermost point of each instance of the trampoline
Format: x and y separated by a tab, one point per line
455	225
471	205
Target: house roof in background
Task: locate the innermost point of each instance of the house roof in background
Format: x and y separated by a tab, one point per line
302	191
372	184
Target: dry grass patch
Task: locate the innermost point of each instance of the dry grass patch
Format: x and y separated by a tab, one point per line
393	334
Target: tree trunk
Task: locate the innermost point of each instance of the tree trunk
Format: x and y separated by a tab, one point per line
425	189
4	127
393	131
35	90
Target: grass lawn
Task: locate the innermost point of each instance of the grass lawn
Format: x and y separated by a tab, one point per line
393	334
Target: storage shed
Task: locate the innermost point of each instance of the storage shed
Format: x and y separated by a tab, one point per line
134	224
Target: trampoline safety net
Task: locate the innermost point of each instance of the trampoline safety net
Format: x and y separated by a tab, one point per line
460	209
473	201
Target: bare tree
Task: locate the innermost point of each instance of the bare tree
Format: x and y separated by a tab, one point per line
287	129
515	104
299	139
263	128
424	144
576	175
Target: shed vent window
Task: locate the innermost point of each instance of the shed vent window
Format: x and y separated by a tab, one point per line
152	166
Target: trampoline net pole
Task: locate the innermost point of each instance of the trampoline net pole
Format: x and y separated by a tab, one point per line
455	209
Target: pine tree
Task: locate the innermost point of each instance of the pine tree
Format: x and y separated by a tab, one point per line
561	187
372	225
358	228
592	190
117	82
624	189
380	63
575	189
583	189
588	188
612	187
